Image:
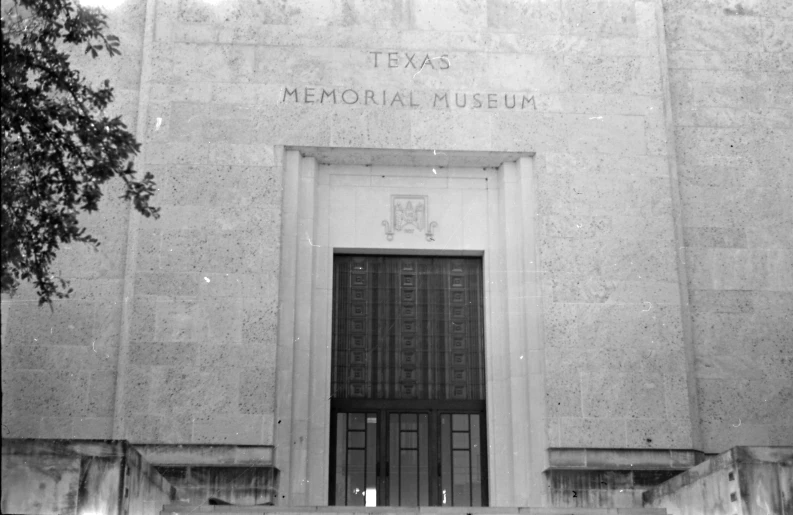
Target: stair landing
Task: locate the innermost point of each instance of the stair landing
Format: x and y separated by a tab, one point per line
184	509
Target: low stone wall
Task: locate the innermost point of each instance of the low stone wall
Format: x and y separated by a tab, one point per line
239	474
611	478
246	486
748	480
61	477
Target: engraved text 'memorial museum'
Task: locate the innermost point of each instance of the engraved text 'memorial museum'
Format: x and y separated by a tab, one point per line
415	63
408	99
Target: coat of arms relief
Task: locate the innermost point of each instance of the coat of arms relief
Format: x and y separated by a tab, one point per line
409	214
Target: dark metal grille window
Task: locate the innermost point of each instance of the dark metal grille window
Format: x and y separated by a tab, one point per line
408	328
408	382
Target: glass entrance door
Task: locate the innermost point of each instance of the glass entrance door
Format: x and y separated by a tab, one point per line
408	458
408	389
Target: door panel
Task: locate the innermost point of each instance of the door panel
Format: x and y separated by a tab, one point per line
461	459
408	382
408	459
426	458
356	459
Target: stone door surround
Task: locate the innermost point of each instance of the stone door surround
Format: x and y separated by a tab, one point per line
484	203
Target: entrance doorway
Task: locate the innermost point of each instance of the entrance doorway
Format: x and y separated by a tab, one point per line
408	385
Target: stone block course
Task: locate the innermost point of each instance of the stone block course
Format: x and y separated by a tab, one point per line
236	429
570	133
677	397
186	390
149	354
628	75
451	130
722	301
620	395
257	389
100	400
371	128
528	17
705	32
68	323
137	389
98	428
450	15
592	432
48	393
59	357
166	284
595	104
726	60
604	18
658	434
56	428
192	92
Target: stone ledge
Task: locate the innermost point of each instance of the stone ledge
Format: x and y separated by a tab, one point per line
417	157
207	455
623	459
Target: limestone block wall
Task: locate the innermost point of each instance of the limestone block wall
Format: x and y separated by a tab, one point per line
202	332
231	81
227	84
731	70
201	353
59	366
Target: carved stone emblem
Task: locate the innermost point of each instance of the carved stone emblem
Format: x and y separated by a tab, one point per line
409	213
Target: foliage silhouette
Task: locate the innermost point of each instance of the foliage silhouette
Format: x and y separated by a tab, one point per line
58	146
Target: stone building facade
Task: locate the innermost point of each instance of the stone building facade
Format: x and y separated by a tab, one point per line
624	169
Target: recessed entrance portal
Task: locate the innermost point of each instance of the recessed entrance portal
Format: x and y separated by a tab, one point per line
408	382
485	204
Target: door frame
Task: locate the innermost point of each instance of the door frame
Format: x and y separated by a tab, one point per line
514	342
383	408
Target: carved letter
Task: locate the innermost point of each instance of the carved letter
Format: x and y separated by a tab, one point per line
308	97
476	99
411	100
349	91
492	102
506	102
445	60
369	96
398	97
290	93
427	60
375	57
529	100
393	61
326	94
457	99
410	60
444	97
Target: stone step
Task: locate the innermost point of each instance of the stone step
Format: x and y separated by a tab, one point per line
185	509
